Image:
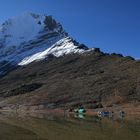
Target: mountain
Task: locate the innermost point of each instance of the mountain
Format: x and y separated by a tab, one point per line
32	37
49	69
93	79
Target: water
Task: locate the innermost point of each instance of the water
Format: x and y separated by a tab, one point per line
50	127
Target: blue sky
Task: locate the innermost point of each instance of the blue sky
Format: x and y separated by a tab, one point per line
112	25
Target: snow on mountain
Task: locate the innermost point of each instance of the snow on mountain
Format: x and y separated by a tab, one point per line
28	34
62	47
32	37
21	29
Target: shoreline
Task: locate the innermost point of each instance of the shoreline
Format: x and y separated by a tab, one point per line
131	111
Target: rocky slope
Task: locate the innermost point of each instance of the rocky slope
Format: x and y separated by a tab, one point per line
93	79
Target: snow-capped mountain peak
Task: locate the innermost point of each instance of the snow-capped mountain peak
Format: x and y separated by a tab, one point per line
24	28
28	32
30	37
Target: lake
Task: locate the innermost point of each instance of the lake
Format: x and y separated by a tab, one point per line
78	127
